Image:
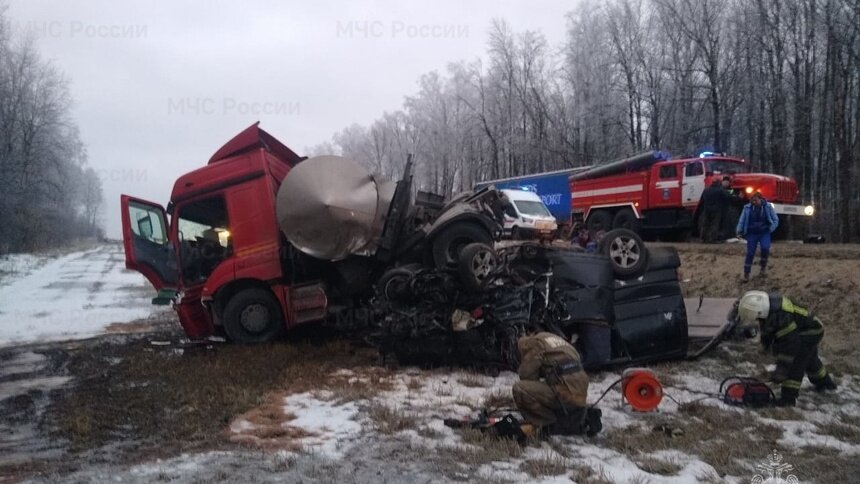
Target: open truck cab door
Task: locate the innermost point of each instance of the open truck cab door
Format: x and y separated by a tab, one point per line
148	248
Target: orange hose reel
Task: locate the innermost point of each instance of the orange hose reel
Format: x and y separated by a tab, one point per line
641	389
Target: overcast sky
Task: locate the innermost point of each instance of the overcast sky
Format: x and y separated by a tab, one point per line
160	86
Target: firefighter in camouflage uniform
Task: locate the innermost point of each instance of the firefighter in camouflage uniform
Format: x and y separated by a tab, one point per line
792	333
553	387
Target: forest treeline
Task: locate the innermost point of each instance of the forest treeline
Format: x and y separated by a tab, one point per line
776	82
49	197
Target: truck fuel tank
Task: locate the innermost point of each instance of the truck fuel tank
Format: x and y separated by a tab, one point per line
330	207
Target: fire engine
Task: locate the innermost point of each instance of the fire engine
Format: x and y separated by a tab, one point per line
650	192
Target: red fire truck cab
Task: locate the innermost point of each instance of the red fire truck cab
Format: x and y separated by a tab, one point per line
650	192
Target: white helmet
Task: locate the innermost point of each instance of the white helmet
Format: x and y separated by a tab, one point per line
752	306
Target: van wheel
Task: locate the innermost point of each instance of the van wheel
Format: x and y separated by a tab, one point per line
599	220
626	252
626	219
253	316
448	244
477	264
515	233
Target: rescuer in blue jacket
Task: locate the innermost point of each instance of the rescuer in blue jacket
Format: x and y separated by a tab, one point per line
758	220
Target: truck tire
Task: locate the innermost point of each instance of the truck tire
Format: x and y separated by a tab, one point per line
394	285
626	219
447	245
253	316
477	264
599	220
626	252
515	233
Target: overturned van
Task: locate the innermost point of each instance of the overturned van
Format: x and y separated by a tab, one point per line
431	319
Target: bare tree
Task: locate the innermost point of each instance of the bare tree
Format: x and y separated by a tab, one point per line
775	81
48	195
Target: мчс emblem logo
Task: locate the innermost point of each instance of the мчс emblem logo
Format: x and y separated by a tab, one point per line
772	471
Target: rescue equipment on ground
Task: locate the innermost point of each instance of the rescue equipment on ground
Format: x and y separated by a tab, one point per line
507	427
641	389
746	392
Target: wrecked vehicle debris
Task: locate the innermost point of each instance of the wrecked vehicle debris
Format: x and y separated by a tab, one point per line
262	240
234	258
432	318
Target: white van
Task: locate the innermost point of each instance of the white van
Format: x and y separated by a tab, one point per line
526	217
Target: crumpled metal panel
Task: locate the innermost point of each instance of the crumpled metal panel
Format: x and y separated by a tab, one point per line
330	207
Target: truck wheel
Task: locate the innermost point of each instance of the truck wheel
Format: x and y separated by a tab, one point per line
626	219
448	245
394	283
253	316
477	264
599	220
626	252
515	233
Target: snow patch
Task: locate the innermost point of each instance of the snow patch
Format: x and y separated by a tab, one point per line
22	363
74	296
332	427
19	387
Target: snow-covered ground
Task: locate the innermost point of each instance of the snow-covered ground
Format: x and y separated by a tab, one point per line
342	430
394	432
78	295
319	436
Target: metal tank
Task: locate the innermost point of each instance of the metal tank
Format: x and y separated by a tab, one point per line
330	207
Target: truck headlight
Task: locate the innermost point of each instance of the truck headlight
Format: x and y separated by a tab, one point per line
808	210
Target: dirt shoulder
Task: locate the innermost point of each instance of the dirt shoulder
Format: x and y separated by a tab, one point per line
823	278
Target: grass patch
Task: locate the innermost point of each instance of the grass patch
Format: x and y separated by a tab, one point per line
414	384
499	400
846	433
653	465
428	432
719	437
364	384
481	449
168	402
821	464
781	413
389	420
587	475
547	465
472	380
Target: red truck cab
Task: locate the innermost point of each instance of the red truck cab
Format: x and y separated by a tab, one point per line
650	192
216	252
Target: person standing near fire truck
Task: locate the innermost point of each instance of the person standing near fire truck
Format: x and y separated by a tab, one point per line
715	203
757	222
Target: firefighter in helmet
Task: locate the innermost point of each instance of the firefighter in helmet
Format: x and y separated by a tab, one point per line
553	387
792	333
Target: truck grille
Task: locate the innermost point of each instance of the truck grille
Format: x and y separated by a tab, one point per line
786	191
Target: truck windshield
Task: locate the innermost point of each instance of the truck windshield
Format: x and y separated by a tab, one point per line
204	238
535	209
725	167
